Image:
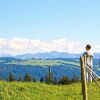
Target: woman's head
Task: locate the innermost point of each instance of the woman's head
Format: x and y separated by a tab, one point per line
88	47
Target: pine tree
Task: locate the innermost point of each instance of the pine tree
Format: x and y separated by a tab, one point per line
11	77
27	78
34	79
41	80
64	80
49	78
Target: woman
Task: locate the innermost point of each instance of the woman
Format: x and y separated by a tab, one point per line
89	62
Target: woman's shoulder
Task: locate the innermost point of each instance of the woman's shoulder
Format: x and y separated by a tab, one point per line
88	53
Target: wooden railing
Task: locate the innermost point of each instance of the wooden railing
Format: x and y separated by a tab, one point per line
83	77
84	68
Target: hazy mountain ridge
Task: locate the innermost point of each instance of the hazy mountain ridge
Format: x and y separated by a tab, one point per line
49	55
52	55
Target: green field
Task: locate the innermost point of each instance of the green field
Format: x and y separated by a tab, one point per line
42	91
44	62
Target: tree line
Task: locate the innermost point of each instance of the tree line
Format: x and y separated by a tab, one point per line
49	79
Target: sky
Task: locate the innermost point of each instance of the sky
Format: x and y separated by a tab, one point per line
31	26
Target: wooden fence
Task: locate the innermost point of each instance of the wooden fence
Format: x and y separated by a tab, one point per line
83	61
83	77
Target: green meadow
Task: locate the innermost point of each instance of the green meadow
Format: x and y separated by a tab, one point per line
42	91
44	62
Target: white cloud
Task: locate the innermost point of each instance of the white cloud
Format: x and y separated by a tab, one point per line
96	48
21	46
3	42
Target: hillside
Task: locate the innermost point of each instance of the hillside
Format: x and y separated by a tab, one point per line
41	91
39	68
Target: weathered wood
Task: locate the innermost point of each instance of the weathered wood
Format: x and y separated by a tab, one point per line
83	77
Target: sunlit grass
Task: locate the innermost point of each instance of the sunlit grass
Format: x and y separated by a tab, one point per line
42	91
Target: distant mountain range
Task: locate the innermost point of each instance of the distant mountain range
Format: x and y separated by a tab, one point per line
49	55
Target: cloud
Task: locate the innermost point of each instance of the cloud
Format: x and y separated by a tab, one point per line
20	46
2	42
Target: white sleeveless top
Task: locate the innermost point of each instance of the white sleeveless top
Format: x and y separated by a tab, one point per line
89	60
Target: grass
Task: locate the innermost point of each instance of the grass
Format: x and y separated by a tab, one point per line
98	69
42	91
44	62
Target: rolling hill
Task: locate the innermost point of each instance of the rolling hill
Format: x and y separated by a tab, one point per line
39	68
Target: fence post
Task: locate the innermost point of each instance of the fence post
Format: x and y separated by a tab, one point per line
83	77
